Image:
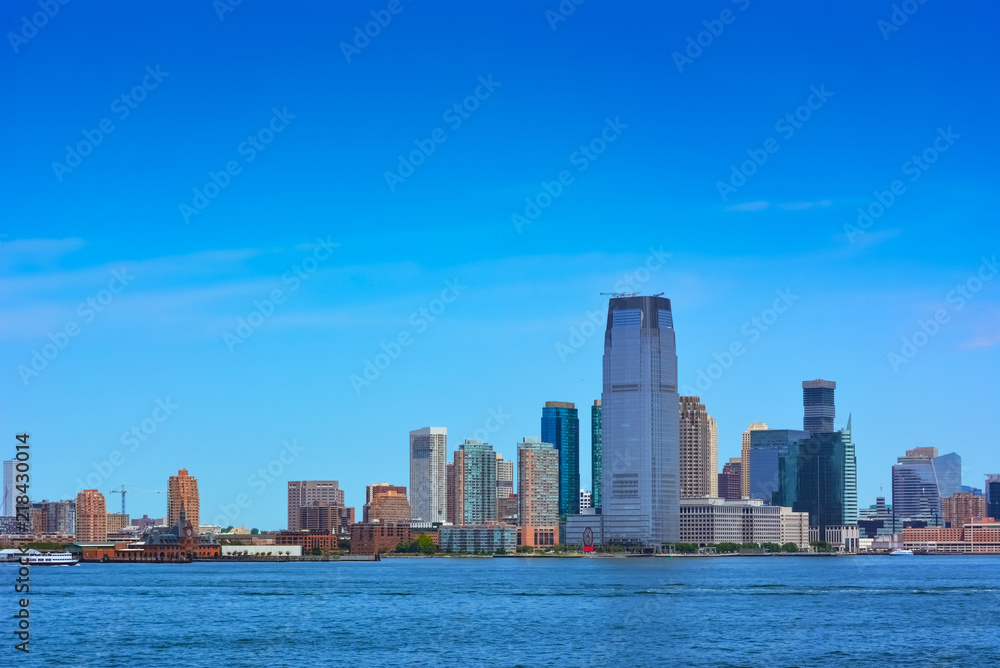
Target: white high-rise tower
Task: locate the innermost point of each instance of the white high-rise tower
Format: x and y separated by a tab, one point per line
428	483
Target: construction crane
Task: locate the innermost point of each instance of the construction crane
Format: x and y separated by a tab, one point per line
123	492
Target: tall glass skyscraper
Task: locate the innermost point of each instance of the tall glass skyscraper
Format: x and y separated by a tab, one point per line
817	400
819	475
595	452
767	447
561	428
478	464
919	481
640	490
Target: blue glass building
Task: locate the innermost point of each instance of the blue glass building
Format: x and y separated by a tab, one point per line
767	447
595	452
561	428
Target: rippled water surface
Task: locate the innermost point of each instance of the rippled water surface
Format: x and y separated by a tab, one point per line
787	611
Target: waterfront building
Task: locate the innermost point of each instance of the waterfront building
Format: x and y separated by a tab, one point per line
993	496
507	510
919	481
115	522
389	506
561	428
322	517
962	508
699	450
710	521
478	538
398	492
595	452
261	550
586	499
640	489
745	458
7	507
181	542
306	540
731	479
819	406
818	475
428	484
538	492
305	493
980	537
373	538
182	490
843	537
505	477
767	447
91	520
475	481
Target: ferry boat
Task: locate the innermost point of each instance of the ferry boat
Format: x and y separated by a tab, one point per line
36	558
901	553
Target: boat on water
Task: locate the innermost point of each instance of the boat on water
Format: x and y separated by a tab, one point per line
36	558
901	553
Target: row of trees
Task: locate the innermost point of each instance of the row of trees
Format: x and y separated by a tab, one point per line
424	544
730	548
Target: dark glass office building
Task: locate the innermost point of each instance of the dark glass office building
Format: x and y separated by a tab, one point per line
561	428
993	496
595	452
817	400
818	475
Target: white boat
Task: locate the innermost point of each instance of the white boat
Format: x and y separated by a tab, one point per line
36	558
901	553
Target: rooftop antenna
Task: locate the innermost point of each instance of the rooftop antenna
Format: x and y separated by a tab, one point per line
619	295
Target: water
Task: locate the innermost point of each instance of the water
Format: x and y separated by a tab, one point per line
788	611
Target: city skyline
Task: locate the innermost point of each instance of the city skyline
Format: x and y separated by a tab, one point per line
785	269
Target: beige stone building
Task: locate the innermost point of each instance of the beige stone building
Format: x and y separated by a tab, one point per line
710	521
699	450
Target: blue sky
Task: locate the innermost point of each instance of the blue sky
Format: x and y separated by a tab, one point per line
310	213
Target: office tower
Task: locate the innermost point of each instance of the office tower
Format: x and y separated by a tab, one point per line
7	509
586	500
428	484
876	520
993	496
699	448
182	488
595	452
91	520
731	479
640	489
303	493
561	428
919	481
475	482
326	518
745	457
818	475
538	492
962	508
767	447
817	400
385	503
60	516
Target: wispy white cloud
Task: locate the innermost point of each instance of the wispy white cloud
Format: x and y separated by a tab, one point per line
762	205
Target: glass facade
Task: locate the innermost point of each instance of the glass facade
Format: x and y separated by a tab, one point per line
919	481
595	452
993	496
479	482
767	447
561	428
817	400
640	489
428	482
818	475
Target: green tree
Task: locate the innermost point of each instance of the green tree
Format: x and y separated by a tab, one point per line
750	546
524	549
790	547
821	546
403	546
425	544
726	548
771	547
254	532
686	548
